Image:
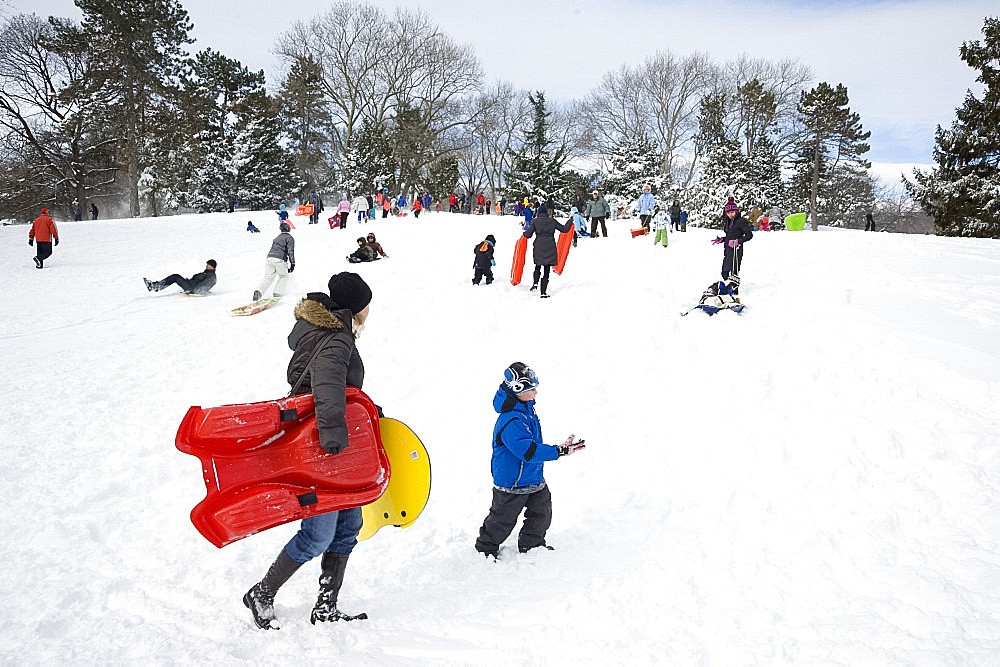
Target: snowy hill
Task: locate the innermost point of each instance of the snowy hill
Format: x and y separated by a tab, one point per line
814	481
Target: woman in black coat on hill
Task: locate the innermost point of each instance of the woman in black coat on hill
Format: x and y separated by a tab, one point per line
543	250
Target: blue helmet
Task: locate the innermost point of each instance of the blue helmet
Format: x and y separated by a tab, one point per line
518	377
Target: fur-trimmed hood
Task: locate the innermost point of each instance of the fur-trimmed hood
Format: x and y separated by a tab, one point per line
320	310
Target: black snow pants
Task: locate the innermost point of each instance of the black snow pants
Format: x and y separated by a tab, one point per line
44	250
503	516
175	279
732	261
593	227
480	272
545	277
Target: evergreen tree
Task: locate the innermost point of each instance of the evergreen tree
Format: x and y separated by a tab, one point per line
140	44
634	163
764	185
757	109
265	173
537	168
963	192
724	174
443	177
833	135
369	165
309	122
172	151
851	195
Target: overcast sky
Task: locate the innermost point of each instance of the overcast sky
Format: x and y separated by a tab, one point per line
898	58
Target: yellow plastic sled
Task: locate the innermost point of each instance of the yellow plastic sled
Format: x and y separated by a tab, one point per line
409	481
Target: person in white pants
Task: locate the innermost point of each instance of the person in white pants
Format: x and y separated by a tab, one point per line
280	262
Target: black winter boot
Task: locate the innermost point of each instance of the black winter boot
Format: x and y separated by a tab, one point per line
260	599
330	581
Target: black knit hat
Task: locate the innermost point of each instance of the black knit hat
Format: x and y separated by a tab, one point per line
211	263
350	291
491	239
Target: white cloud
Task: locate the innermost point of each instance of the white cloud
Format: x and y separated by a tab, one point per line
899	60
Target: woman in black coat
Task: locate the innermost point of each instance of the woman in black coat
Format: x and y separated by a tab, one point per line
331	323
543	251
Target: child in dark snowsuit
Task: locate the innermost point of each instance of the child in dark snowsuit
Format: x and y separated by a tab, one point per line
518	459
484	262
736	232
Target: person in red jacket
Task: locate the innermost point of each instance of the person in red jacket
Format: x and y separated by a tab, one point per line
417	207
44	231
452	200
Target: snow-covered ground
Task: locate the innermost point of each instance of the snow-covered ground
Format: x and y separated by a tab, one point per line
814	481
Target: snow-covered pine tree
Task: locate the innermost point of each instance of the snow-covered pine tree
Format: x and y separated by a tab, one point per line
537	168
369	164
724	174
963	192
833	137
764	185
308	122
634	163
264	172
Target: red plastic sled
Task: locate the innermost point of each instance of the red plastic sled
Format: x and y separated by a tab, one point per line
263	465
304	209
334	222
517	267
563	244
642	231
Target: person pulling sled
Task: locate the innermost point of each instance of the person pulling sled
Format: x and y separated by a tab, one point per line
725	294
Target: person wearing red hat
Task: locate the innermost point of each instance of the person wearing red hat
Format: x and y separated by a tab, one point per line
44	231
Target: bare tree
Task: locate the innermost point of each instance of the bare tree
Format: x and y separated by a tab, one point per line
436	77
52	125
766	95
501	113
399	70
659	98
349	43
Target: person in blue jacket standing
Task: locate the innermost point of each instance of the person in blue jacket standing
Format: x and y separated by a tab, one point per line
528	216
646	203
519	456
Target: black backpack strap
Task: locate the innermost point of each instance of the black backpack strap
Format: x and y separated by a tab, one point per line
316	350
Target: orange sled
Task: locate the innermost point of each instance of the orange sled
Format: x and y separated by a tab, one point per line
563	244
517	265
304	209
263	465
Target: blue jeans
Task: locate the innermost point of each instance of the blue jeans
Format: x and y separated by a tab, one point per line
336	532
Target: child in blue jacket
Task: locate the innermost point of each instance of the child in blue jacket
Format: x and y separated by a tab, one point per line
518	459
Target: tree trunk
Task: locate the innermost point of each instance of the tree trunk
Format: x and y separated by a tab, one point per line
132	146
814	192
